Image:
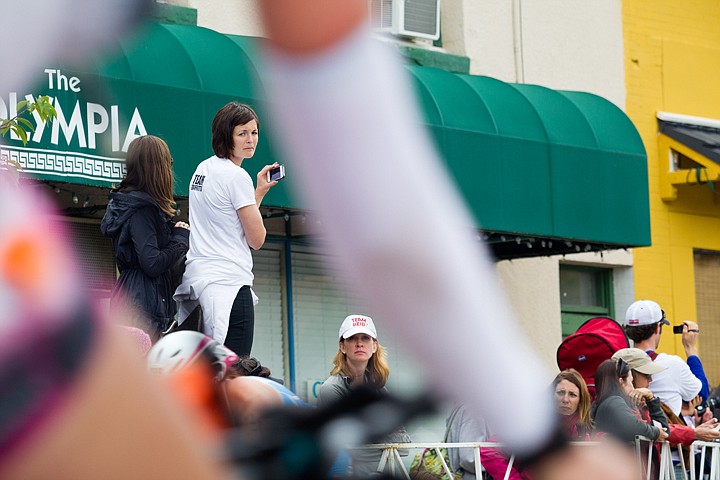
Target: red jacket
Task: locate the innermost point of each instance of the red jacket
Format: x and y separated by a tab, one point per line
496	463
679	434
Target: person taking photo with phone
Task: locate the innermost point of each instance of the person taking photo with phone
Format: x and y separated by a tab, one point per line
226	224
681	380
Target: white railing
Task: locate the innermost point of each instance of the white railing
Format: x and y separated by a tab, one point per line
714	455
392	461
666	471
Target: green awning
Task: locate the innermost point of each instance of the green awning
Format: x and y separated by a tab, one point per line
543	171
538	165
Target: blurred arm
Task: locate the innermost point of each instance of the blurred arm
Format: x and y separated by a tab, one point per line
334	100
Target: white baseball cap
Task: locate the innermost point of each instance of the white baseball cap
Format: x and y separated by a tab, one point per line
644	312
354	324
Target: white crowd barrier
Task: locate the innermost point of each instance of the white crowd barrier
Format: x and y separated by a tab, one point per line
392	462
710	450
666	470
708	453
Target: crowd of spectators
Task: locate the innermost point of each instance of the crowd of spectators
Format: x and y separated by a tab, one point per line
626	404
54	352
639	393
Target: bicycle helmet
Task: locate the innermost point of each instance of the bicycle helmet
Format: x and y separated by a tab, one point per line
178	350
224	358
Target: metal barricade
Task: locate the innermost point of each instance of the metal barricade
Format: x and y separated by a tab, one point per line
666	470
711	449
392	462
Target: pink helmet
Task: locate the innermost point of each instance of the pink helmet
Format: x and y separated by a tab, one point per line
177	350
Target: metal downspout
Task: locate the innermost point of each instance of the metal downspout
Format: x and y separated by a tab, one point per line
518	41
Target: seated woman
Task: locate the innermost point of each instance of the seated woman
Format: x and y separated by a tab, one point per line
572	400
613	411
360	362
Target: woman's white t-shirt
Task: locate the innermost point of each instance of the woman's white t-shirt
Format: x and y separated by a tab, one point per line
219	261
219	251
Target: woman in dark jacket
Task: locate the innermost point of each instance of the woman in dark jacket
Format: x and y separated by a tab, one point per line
613	410
147	244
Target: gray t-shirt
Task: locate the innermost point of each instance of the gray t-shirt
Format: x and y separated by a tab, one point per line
465	428
364	462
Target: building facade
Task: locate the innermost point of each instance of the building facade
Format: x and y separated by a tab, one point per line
672	53
562	45
570	150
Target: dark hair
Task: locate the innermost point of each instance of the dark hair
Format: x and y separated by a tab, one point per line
149	170
225	121
640	332
248	367
607	379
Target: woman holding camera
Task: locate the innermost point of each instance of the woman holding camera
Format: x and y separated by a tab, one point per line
147	243
226	220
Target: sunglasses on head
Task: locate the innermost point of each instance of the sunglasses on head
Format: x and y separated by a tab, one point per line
622	368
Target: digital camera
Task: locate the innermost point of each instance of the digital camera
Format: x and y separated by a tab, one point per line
712	403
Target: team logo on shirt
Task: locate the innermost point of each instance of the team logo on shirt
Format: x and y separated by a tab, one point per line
197	183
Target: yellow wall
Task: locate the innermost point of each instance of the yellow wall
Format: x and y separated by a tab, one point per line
672	64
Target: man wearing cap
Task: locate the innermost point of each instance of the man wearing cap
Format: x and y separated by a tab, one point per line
679	380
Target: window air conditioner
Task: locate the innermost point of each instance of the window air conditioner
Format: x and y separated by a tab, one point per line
407	18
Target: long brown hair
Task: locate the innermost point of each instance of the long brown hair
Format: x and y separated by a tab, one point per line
377	369
607	380
584	406
149	170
